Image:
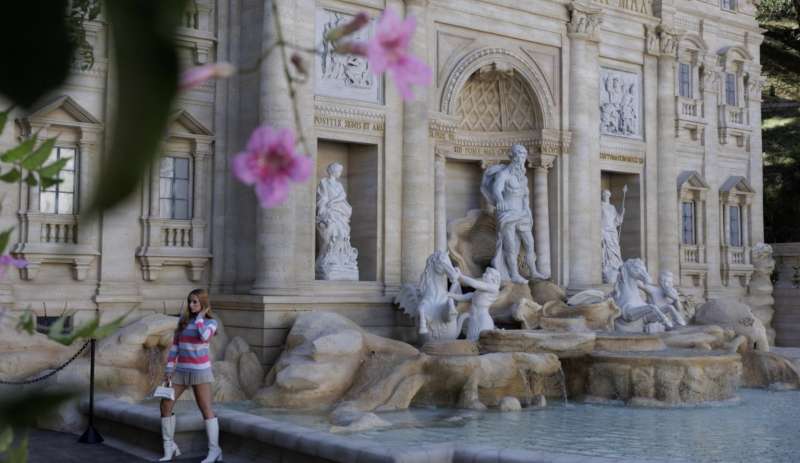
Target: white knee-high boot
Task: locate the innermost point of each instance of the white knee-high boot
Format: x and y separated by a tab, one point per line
214	451
168	434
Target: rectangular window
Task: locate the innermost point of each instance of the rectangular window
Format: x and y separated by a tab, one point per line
685	80
730	89
174	188
60	198
735	221
729	5
689	237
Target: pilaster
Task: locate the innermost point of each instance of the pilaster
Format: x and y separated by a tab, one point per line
584	219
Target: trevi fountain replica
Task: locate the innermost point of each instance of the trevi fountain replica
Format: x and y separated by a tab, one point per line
506	367
552	255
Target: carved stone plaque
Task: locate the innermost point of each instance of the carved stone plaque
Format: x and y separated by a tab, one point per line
620	103
343	76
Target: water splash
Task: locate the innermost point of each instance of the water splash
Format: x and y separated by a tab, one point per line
528	388
563	381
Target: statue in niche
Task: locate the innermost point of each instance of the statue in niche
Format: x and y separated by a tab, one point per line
337	259
610	223
505	187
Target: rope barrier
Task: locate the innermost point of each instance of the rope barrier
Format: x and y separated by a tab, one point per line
49	374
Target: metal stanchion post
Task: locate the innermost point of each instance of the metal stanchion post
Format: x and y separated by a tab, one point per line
91	436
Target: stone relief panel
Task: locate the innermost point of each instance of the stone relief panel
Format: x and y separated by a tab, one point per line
343	76
620	103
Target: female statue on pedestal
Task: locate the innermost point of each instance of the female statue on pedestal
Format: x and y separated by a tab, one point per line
337	258
610	221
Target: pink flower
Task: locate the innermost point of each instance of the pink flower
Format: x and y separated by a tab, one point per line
387	51
6	260
196	76
269	162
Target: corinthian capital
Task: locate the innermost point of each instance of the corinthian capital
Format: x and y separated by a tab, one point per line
669	41
585	20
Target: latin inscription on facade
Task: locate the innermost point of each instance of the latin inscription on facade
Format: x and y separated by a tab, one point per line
638	6
621	158
620	103
347	123
343	76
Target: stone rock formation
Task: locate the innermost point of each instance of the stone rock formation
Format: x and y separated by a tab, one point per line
734	315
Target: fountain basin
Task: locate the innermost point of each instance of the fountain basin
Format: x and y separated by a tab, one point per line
656	378
625	342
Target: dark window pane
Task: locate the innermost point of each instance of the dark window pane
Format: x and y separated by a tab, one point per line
181	189
181	168
688	223
181	209
736	226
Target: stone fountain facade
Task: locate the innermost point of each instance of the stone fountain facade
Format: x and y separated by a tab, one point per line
661	97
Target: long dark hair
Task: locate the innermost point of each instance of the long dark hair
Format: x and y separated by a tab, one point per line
187	315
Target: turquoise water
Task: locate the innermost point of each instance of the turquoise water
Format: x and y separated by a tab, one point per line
764	426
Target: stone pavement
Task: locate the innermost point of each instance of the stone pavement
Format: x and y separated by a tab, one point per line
51	447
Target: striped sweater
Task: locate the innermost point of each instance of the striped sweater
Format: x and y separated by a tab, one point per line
189	351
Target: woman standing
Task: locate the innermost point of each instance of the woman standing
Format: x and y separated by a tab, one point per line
188	364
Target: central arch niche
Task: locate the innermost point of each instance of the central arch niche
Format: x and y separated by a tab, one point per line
494	108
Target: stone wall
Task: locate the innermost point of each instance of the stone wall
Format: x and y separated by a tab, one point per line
787	294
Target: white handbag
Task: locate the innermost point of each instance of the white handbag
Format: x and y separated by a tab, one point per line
165	391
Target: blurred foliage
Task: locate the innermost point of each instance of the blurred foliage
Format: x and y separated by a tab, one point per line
38	47
780	60
147	71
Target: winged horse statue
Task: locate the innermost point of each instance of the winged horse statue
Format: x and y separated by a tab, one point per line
427	302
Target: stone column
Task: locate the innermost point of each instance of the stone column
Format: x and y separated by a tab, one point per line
756	176
418	172
667	160
275	227
541	214
710	88
440	172
584	117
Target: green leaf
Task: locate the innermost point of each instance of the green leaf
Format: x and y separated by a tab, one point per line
30	179
27	322
48	182
144	39
52	170
40	155
18	151
4	118
12	176
41	53
6	438
109	328
19	454
4	237
57	328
